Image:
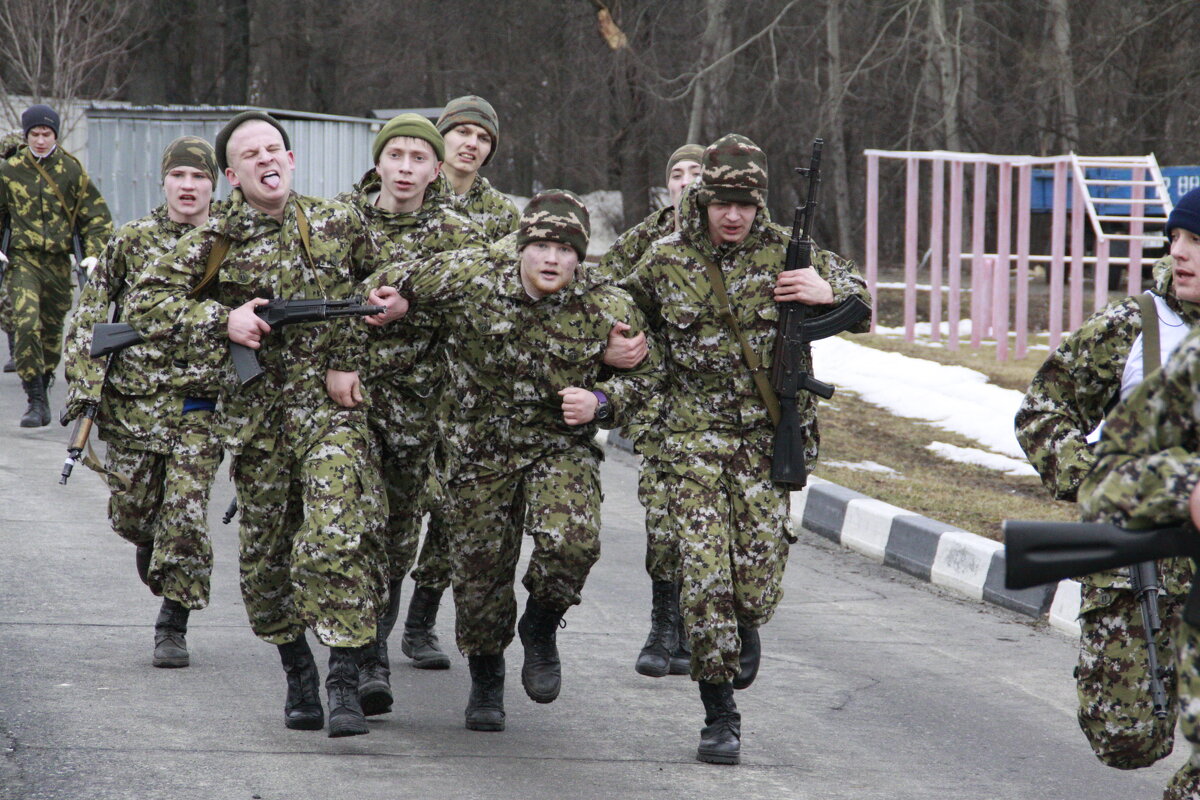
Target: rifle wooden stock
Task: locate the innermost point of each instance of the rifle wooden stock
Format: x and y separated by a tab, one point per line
79	440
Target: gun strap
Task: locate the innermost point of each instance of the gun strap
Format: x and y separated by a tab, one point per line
1151	349
71	213
753	362
215	256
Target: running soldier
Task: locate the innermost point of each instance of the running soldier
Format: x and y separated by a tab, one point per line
305	466
46	199
1098	365
407	220
731	522
155	411
472	132
666	649
529	387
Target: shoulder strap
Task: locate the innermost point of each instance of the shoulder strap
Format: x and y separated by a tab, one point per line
753	362
1151	352
215	256
54	188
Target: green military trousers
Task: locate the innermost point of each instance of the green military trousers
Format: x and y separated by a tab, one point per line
311	537
556	499
39	287
662	546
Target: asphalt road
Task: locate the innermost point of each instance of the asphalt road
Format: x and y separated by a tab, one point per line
873	685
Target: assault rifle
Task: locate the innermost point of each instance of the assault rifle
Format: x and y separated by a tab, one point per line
81	276
111	337
1143	577
5	238
230	511
78	440
797	327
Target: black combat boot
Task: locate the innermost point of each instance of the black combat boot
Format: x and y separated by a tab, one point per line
302	711
37	414
420	642
749	657
170	646
374	672
10	365
142	561
541	674
681	656
485	706
341	684
721	737
655	658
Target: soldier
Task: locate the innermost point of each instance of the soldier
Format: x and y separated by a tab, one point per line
9	144
402	211
305	467
666	648
731	521
472	132
1099	364
529	387
46	198
155	414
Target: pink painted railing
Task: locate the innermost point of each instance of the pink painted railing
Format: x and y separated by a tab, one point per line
999	264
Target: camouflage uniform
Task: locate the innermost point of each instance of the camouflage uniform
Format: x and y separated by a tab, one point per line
38	282
1147	464
662	552
486	206
406	370
170	455
731	521
306	469
9	144
512	464
1067	399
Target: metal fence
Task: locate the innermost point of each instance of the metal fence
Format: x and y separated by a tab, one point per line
125	146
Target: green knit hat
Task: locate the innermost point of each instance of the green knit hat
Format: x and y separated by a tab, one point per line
190	151
237	122
475	111
413	125
689	152
555	215
735	171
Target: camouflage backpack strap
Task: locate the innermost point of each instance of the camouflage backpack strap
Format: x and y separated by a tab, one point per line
215	256
54	188
1151	349
84	180
757	371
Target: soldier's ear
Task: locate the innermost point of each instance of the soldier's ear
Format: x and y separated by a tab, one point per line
231	176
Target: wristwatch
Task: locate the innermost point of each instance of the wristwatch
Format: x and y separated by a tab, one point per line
604	411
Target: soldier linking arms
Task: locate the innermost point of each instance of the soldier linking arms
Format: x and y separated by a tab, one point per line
407	219
45	197
305	467
528	388
1100	363
666	648
731	521
156	409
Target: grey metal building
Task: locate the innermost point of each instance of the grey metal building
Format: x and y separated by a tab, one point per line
125	146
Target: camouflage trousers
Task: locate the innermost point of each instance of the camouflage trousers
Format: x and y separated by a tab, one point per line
1185	784
662	549
39	288
556	500
1113	677
311	537
166	505
732	528
406	477
6	309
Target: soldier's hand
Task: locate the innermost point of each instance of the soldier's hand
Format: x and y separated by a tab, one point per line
389	298
88	265
625	352
344	387
3	258
1194	506
803	286
578	405
245	327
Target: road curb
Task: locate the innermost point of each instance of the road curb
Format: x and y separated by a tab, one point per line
958	560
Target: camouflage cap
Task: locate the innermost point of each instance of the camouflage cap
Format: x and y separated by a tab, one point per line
190	151
413	125
555	215
735	171
237	122
689	152
472	110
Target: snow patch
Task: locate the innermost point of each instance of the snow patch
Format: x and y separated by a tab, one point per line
982	458
863	466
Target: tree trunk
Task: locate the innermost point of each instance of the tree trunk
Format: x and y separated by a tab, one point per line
943	54
716	41
835	132
1064	74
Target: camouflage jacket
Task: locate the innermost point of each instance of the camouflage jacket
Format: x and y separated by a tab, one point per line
266	258
486	206
631	245
145	382
1071	394
711	403
39	221
510	355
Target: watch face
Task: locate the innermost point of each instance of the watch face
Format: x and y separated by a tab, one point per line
603	411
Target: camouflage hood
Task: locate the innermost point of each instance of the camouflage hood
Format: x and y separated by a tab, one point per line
693	226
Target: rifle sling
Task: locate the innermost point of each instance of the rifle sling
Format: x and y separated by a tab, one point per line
1151	351
221	247
71	213
753	362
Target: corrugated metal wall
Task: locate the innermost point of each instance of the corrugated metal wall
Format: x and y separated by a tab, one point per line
125	147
